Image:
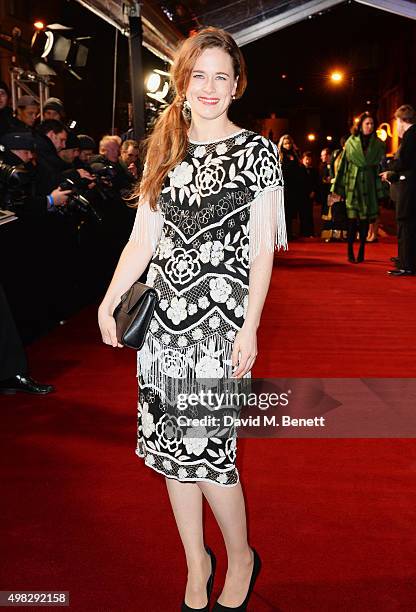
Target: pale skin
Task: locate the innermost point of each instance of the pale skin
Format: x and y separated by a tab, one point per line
211	87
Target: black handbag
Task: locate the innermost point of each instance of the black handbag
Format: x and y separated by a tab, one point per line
133	315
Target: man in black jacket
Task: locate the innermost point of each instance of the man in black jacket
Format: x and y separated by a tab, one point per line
402	178
13	362
6	113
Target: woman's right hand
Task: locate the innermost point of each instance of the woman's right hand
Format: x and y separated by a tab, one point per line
107	325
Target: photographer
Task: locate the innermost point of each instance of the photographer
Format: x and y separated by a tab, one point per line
6	113
27	111
52	172
70	153
86	146
18	178
122	180
129	157
25	243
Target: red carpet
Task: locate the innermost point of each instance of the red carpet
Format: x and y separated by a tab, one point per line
333	519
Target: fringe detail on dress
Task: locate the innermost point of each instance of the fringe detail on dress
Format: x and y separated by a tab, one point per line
267	227
184	370
147	227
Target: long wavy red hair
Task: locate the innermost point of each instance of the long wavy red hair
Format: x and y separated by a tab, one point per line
168	142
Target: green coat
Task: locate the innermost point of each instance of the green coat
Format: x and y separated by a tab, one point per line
357	179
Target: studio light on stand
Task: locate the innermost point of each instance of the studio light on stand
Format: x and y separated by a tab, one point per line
157	85
54	48
157	94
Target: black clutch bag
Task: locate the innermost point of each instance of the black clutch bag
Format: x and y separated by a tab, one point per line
133	315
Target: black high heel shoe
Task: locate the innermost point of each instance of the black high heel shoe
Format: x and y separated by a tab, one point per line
210	584
243	607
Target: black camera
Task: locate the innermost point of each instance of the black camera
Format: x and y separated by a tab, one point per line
13	176
13	181
76	199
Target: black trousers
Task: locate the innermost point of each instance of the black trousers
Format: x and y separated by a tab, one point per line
306	217
406	235
12	354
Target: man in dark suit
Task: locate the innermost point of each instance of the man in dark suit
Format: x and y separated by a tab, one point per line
13	363
402	178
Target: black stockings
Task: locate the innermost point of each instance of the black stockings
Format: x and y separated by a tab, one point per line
361	226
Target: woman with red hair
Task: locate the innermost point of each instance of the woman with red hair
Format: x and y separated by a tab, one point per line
210	214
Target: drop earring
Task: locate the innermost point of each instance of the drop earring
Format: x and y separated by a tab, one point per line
186	110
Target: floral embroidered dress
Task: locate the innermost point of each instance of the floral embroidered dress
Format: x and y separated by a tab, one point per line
217	210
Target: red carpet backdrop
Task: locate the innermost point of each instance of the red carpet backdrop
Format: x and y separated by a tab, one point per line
333	519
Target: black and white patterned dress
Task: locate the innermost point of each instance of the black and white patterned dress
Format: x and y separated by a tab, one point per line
217	210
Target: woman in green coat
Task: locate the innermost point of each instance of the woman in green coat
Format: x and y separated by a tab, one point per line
358	183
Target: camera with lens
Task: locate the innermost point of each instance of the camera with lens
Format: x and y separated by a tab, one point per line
14	184
77	200
103	171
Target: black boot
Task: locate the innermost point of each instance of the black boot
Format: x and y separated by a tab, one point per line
351	232
363	227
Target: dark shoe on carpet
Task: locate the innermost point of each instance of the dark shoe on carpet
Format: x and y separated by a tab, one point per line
24	384
210	584
243	607
395	260
401	272
351	259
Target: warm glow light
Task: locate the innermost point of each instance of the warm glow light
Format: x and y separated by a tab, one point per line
39	25
337	77
311	137
356	119
284	76
382	134
329	138
384	131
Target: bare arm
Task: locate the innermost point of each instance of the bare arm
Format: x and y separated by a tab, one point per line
267	230
132	263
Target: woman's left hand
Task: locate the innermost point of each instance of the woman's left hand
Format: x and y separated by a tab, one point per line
244	351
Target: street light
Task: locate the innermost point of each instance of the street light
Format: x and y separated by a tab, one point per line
337	76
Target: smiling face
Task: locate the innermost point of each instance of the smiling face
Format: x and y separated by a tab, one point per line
212	84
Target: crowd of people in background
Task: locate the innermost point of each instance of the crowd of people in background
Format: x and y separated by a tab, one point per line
69	197
350	185
71	200
345	184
